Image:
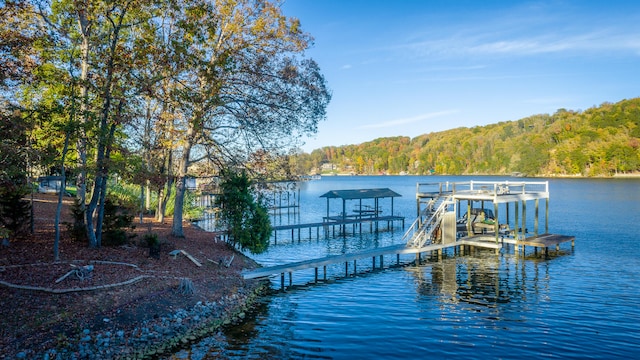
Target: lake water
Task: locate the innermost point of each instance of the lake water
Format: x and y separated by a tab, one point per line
581	304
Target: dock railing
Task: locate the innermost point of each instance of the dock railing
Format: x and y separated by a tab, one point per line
420	231
495	188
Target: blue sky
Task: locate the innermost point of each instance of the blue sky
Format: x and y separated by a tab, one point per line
414	67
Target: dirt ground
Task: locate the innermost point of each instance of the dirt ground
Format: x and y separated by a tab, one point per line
125	287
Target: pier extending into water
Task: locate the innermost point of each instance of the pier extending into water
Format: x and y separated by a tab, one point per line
439	226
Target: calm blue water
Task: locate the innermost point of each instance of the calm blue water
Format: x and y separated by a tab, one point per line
582	304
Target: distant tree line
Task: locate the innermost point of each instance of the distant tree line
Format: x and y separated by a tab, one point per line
600	141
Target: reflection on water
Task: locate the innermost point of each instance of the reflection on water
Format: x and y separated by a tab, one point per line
485	279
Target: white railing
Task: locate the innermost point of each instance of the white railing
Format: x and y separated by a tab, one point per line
488	187
419	233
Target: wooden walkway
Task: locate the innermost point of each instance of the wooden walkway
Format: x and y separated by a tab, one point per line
332	222
486	241
378	253
544	241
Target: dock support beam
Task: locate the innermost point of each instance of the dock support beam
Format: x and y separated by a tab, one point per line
496	225
546	217
535	223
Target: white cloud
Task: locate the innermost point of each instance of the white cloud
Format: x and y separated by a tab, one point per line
410	120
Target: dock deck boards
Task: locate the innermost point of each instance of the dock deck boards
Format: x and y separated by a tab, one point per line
486	241
542	241
335	220
399	249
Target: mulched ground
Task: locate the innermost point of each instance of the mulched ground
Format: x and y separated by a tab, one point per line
40	319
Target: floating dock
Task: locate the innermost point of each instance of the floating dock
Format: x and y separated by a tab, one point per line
439	226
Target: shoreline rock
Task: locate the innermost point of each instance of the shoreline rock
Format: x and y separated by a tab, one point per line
161	336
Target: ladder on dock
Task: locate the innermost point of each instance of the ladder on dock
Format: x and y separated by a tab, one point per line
421	231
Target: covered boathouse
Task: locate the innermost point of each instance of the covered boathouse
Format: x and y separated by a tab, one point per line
367	207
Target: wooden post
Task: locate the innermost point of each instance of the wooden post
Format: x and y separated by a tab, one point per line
468	217
282	281
546	217
524	219
516	231
346	269
355	268
535	221
496	226
507	213
316	277
290	279
324	273
344	216
373	263
381	262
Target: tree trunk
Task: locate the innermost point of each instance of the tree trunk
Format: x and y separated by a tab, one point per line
147	199
56	223
104	140
81	146
161	207
181	188
165	193
142	205
90	210
105	178
163	199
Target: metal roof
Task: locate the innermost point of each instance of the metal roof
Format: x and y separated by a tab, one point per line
361	194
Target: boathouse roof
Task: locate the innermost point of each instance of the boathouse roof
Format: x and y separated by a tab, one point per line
361	194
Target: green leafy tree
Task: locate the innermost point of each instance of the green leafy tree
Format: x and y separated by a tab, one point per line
244	213
249	87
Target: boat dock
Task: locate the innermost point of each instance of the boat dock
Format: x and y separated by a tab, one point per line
329	226
440	226
339	217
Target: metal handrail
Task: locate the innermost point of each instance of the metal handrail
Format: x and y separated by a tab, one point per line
421	233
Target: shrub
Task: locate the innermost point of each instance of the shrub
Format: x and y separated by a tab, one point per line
153	243
15	211
78	229
115	223
244	213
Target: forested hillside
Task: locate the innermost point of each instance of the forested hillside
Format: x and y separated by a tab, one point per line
600	141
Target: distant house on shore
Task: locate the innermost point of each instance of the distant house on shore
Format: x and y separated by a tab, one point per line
49	184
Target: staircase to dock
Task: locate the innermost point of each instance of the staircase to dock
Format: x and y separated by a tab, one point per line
422	230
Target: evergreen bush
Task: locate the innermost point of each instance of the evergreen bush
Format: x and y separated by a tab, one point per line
116	221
